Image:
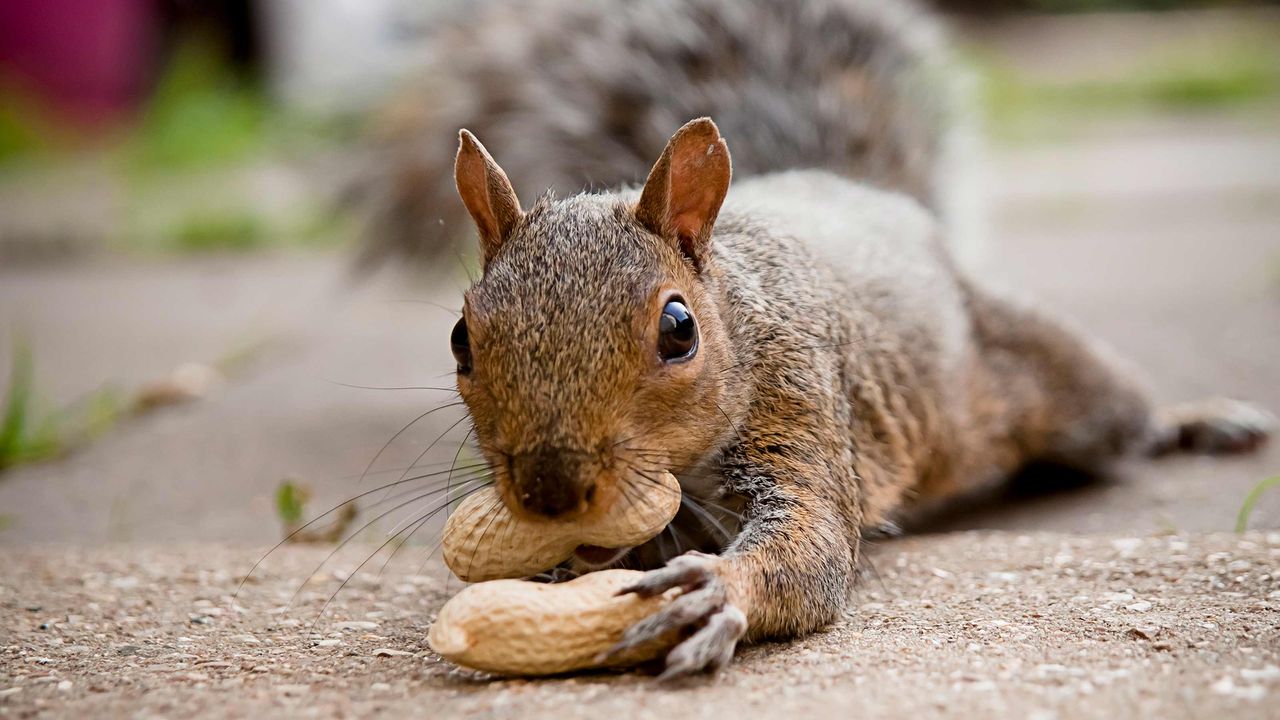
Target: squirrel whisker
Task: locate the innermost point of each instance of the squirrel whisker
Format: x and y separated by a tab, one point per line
702	512
306	526
364	527
453	390
453	311
423	521
388	541
440	437
401	431
493	511
694	505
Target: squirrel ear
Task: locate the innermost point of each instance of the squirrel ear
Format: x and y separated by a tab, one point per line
685	188
486	192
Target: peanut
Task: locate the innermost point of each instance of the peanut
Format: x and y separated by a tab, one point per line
516	627
485	541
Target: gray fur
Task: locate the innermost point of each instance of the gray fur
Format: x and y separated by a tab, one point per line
575	95
854	369
847	369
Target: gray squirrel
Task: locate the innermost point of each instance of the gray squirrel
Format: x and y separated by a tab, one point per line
798	347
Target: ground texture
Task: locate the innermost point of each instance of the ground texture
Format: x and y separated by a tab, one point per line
979	624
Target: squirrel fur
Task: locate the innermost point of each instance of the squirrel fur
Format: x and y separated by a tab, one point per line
574	96
845	369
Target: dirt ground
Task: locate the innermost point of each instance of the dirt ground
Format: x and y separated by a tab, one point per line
971	624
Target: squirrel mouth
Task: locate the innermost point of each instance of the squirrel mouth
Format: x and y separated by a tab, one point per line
599	557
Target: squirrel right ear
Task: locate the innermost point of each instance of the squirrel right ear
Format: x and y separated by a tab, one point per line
487	193
685	188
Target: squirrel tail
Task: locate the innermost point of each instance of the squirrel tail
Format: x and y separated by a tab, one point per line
572	96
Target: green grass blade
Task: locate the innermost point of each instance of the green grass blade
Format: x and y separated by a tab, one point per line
1242	520
289	502
16	404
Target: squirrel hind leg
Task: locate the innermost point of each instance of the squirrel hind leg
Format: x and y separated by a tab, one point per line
1217	426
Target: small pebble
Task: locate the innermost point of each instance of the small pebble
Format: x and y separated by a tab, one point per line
1145	632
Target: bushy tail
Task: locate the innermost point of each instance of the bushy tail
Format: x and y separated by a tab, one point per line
575	95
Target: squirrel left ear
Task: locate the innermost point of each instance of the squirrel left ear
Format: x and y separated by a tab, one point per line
487	193
685	188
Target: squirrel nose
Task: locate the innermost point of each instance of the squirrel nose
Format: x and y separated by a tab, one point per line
552	483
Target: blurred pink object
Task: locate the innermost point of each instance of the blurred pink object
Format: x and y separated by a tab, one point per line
91	58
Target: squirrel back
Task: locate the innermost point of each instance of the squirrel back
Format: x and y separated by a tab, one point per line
575	96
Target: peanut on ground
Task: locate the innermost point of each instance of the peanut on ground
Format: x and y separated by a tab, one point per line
516	627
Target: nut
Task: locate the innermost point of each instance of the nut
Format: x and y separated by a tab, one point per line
516	627
483	540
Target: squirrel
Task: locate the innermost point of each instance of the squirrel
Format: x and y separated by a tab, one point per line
800	348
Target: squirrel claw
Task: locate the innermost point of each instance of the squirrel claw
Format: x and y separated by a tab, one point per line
702	624
709	649
687	572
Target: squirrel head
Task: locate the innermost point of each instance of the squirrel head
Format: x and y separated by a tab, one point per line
591	352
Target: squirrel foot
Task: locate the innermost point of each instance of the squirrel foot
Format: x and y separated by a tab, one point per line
703	616
1219	426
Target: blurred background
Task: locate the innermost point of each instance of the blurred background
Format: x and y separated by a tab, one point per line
180	330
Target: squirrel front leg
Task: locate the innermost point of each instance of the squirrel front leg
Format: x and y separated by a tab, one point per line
788	572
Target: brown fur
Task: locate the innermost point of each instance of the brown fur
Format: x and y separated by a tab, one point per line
847	370
830	391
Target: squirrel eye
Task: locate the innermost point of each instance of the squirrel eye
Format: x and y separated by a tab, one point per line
460	344
677	332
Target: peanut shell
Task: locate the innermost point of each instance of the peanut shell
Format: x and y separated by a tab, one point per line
485	541
516	627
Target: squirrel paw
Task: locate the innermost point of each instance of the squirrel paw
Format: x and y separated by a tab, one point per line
708	625
1219	426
